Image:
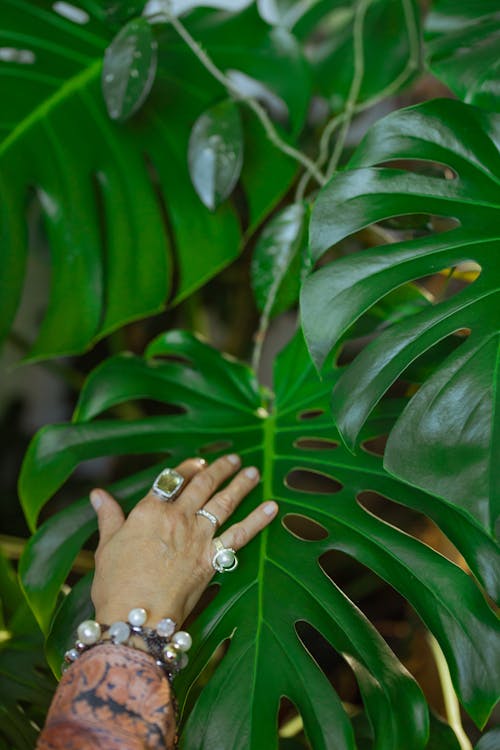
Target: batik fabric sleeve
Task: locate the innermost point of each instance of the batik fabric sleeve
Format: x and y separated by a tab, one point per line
111	698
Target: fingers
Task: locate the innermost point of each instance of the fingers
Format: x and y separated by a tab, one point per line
223	503
188	469
110	516
205	483
239	534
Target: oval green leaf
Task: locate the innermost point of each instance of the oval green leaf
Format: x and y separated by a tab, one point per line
216	153
129	69
280	260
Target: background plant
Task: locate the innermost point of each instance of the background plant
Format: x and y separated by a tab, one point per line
156	152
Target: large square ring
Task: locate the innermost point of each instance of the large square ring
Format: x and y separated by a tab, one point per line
167	485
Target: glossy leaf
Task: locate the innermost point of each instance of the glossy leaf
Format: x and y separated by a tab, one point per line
385	29
288	432
129	69
462	49
489	741
280	261
216	153
26	685
446	440
119	196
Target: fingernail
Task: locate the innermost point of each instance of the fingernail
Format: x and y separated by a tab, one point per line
201	461
252	472
96	499
270	509
234	459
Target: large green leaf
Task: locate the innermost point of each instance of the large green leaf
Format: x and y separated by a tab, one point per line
26	684
291	437
117	202
462	49
446	440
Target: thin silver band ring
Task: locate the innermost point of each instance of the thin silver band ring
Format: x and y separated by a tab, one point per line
209	516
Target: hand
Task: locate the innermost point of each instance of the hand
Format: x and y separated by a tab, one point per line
160	557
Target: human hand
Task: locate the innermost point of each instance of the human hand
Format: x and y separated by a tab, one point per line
160	557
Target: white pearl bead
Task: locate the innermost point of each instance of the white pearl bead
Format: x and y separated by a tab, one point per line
89	632
165	627
119	632
183	661
183	640
137	616
226	558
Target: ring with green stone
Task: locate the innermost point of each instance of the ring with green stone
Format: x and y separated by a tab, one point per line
168	484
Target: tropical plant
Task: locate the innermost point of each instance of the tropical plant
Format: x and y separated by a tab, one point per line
191	142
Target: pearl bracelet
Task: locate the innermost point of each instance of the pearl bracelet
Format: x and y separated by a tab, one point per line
167	645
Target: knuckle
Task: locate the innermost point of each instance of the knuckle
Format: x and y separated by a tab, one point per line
205	481
240	535
225	502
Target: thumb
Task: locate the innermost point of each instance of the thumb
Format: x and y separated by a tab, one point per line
110	516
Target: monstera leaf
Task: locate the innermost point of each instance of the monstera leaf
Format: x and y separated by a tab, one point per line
281	583
121	216
26	684
462	49
446	440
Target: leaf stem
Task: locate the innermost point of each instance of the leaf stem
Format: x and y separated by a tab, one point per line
252	103
452	706
411	66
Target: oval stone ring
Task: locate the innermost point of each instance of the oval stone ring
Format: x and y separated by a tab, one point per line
224	560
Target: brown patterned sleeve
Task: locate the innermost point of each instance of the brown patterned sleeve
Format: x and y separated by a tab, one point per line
112	697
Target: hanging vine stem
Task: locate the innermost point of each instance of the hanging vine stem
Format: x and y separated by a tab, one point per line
252	103
411	66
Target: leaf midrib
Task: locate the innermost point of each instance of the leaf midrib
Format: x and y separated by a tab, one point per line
45	108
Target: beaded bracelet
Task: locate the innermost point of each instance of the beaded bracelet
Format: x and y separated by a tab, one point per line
165	644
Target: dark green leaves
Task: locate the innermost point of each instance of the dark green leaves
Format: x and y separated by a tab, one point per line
280	260
356	36
116	200
462	49
129	69
221	401
216	153
26	685
449	448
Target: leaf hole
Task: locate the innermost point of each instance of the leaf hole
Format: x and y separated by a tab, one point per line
290	725
375	446
312	482
310	414
333	665
411	522
423	167
315	444
218	446
304	527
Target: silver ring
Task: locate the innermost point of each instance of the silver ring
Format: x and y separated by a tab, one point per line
168	484
224	560
209	516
